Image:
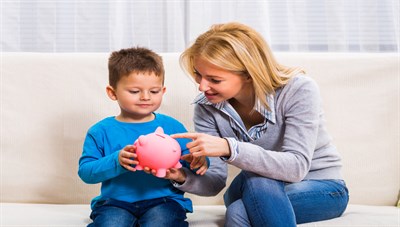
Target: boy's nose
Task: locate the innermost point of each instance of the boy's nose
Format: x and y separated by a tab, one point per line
145	96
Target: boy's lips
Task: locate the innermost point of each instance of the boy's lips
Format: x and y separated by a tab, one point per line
144	105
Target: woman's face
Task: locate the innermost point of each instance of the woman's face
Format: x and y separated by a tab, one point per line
220	85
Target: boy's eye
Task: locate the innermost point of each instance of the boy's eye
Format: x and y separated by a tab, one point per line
155	91
133	92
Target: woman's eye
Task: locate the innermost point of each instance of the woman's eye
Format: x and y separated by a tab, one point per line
214	81
197	76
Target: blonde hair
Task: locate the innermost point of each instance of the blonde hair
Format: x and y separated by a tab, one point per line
240	49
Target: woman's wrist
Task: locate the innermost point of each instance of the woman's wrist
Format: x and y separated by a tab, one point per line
227	148
232	147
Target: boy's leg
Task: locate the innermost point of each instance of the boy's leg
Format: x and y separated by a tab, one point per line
316	200
108	214
166	213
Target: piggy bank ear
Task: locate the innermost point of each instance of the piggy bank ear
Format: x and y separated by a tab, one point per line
160	130
142	140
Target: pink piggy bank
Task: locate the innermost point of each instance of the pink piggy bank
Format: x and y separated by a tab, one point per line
157	151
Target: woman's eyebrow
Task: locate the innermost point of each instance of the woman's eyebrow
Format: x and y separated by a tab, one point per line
209	76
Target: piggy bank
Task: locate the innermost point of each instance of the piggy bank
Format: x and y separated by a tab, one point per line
157	151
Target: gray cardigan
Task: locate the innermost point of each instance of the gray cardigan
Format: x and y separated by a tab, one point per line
295	147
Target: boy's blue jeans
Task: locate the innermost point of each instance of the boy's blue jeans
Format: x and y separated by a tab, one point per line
161	212
253	200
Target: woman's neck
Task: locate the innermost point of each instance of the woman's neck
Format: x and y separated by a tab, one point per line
245	100
244	106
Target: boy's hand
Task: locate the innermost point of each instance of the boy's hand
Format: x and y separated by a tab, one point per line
199	163
150	171
177	175
174	174
127	157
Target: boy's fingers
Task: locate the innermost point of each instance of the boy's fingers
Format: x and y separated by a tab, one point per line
128	155
202	170
147	170
129	161
129	167
187	157
195	163
150	171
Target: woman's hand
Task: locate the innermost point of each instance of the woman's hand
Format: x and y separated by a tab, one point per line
205	145
127	157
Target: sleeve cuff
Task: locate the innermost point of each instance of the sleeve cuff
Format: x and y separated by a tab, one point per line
176	184
233	147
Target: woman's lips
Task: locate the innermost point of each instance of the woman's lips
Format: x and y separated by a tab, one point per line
210	95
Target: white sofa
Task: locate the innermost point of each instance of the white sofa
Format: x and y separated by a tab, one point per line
48	101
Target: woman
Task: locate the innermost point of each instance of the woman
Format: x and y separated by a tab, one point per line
267	120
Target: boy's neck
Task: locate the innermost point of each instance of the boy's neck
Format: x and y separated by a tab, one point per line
135	119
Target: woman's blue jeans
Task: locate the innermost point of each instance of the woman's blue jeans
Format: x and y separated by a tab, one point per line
253	200
148	213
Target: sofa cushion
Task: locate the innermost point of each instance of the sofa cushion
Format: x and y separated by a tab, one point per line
77	215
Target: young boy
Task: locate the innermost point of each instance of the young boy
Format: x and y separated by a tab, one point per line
129	197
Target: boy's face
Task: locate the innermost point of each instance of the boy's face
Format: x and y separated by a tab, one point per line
138	95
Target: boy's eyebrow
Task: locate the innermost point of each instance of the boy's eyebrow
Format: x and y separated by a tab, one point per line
139	87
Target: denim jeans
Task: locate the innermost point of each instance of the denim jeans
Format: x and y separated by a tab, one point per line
253	200
156	212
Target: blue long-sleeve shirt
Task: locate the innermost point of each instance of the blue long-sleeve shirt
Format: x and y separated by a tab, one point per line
99	161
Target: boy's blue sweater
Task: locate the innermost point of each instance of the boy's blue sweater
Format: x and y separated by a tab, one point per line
99	161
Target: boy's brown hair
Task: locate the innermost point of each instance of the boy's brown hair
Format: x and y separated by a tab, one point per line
137	59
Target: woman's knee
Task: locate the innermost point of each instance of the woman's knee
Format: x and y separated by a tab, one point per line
257	182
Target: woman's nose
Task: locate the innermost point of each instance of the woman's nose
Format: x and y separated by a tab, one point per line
203	85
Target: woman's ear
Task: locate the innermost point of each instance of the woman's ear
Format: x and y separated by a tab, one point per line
248	78
111	93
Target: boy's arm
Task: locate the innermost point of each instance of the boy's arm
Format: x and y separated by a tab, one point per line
94	167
